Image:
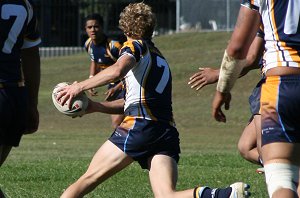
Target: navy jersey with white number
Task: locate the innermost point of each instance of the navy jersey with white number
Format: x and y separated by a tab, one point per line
18	30
148	83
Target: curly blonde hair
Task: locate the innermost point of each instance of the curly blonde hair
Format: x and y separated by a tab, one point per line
137	21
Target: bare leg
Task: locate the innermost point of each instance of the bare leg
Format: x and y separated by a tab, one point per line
163	178
247	143
282	153
107	161
116	120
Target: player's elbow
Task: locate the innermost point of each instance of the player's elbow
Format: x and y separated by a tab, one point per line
236	50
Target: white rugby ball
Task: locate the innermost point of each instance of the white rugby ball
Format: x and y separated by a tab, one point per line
79	103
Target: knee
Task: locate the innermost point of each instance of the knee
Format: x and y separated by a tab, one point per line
244	152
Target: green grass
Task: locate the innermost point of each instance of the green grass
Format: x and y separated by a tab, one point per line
48	161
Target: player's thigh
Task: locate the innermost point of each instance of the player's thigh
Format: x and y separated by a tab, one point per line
281	152
107	161
163	174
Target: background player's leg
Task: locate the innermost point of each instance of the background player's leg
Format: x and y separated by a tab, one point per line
247	143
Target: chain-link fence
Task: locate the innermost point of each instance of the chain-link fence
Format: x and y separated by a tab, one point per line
62	21
208	14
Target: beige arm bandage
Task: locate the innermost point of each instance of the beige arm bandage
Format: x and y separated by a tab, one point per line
229	72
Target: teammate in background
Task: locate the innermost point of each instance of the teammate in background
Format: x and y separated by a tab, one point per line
280	97
19	39
147	134
103	52
249	142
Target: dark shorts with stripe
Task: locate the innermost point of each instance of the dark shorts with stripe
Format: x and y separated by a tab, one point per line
254	98
13	109
280	109
147	138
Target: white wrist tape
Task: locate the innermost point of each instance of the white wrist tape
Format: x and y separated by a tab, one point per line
280	175
229	72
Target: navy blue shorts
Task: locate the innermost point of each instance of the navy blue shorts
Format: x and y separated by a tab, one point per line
142	139
280	109
13	112
254	98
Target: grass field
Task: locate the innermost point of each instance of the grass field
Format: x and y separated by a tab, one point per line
55	156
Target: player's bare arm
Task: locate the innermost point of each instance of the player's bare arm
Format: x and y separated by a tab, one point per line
244	33
234	57
203	77
113	73
206	76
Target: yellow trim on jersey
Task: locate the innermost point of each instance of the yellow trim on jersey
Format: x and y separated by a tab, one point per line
130	45
87	44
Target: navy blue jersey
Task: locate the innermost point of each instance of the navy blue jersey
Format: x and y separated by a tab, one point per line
148	83
18	29
104	54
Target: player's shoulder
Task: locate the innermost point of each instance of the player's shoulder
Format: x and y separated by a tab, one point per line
114	44
88	43
134	43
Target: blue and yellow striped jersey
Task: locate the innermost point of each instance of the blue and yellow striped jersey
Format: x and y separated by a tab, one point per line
148	83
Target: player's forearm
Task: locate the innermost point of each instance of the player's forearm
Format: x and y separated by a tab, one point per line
229	72
111	74
102	78
31	67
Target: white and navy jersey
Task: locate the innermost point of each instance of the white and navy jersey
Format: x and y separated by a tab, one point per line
282	31
104	54
148	83
18	29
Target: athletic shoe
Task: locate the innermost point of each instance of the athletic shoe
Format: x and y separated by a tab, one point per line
239	190
260	170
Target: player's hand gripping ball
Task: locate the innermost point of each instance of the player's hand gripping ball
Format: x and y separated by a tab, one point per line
79	103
